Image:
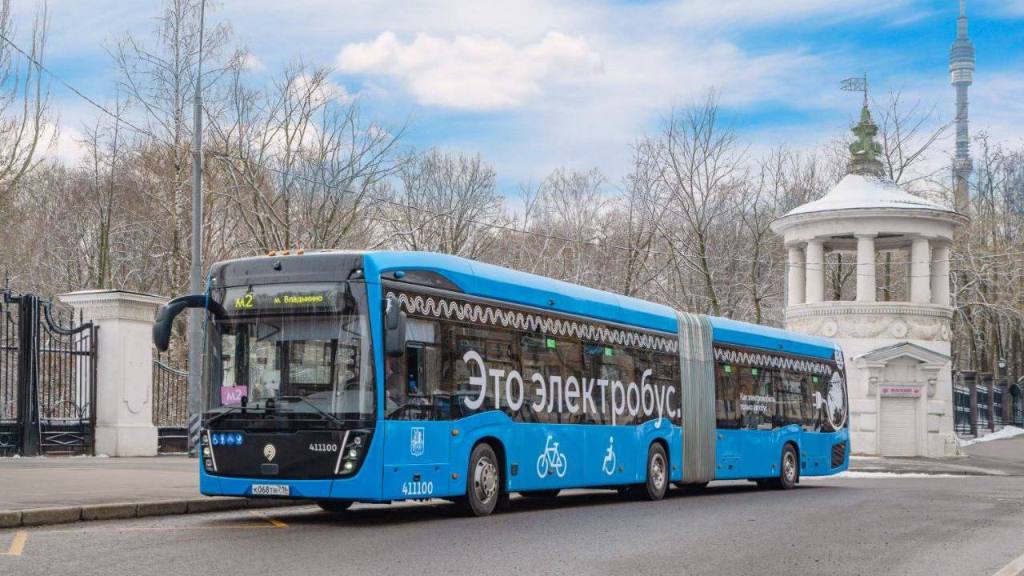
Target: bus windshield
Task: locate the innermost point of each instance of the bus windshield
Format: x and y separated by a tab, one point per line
306	348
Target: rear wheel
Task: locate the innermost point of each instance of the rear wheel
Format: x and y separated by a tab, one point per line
483	488
657	473
334	506
789	470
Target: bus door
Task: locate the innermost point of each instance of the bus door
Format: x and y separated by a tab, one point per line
417	427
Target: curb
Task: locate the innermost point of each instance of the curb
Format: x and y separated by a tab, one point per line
128	510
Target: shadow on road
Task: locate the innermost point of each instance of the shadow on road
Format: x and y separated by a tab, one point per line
371	516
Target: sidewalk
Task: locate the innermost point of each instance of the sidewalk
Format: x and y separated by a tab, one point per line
995	458
35	491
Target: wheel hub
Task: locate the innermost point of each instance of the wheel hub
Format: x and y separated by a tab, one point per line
485	479
658	471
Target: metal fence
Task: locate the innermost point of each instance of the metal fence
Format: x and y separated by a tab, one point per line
170	405
47	378
962	410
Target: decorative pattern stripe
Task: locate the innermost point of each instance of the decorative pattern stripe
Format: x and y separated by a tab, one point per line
437	307
763	360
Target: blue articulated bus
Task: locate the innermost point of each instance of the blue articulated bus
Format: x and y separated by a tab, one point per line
343	377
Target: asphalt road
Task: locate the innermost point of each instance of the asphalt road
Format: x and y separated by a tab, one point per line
928	526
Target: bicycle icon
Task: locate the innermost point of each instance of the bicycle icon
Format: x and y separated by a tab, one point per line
609	458
551	460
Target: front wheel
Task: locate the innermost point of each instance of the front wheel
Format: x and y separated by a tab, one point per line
657	473
483	488
334	506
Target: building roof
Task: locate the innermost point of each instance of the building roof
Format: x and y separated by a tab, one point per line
859	191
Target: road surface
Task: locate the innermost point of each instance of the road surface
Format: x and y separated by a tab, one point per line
860	525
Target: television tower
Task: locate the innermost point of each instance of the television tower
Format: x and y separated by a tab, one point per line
961	70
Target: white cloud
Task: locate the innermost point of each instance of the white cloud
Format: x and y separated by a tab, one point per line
323	91
63	143
473	72
251	63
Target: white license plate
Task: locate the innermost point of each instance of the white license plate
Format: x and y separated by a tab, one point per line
271	490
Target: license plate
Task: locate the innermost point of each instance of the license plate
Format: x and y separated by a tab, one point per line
271	490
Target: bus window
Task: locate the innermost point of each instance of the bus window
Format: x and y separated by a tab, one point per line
413	381
727	396
497	350
757	399
550	357
789	396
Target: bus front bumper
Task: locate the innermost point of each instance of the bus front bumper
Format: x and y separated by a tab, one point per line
358	488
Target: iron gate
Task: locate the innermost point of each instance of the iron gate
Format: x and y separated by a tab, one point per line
170	406
47	378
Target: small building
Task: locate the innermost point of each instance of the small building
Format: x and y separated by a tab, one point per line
896	343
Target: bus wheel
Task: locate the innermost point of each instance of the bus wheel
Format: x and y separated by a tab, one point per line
334	506
540	494
484	488
789	473
657	473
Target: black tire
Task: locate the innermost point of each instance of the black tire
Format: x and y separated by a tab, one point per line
334	506
789	469
657	474
483	481
541	494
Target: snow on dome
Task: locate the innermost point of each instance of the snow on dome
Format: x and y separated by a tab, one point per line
858	191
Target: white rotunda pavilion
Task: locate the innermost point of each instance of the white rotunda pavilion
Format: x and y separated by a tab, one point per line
894	330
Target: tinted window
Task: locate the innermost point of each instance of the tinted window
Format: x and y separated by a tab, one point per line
727	395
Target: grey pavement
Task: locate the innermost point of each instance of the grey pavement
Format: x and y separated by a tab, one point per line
77	481
968	525
995	458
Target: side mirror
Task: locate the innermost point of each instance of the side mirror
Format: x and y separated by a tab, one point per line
394	327
168	312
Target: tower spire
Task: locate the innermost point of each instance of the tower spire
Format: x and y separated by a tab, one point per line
864	150
961	70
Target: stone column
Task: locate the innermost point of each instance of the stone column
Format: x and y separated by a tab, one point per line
124	368
920	271
940	273
815	291
796	276
866	285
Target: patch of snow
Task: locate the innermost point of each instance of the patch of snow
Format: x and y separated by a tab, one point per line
1006	432
860	474
856	191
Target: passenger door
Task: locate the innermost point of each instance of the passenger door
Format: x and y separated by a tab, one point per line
417	427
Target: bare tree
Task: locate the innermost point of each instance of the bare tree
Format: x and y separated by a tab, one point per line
302	167
25	122
701	167
445	202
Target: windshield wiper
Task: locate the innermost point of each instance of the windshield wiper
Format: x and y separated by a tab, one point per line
223	413
326	416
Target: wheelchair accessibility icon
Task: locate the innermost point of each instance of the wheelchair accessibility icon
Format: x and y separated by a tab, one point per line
551	460
609	457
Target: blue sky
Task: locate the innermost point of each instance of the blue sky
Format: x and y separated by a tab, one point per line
535	85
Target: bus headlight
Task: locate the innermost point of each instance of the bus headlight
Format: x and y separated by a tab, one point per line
351	452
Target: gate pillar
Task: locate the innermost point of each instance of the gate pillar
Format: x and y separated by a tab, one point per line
124	368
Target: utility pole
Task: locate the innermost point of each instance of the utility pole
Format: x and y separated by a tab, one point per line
195	318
